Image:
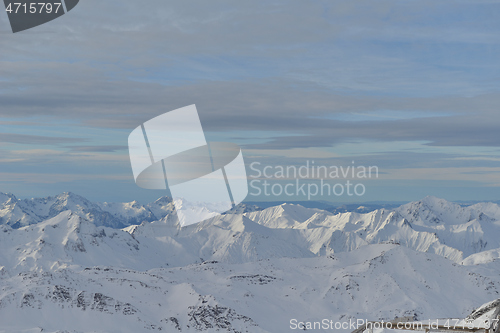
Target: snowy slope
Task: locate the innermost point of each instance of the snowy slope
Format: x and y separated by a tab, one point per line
68	240
65	265
430	225
376	282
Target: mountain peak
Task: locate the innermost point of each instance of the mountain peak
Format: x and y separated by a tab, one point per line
163	200
70	196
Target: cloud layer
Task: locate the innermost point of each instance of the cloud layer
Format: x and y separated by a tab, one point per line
283	79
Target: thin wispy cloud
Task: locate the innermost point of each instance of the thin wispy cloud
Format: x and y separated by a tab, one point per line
293	80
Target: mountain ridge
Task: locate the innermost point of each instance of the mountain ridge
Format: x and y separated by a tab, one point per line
249	270
430	225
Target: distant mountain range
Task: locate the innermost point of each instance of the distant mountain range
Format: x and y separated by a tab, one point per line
430	225
19	213
68	264
331	207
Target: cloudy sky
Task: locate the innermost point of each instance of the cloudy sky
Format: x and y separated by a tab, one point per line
409	86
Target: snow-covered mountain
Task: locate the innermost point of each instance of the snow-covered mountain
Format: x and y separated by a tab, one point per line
70	265
430	225
18	213
68	240
375	282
